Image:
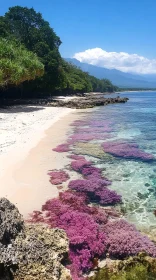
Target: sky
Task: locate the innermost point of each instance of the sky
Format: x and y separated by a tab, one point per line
118	34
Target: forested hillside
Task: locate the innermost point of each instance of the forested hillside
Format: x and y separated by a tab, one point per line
30	60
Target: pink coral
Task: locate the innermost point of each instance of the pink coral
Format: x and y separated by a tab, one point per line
90	233
78	165
96	190
62	148
58	177
126	150
76	157
88	137
124	240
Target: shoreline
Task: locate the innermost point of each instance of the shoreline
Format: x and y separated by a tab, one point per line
24	179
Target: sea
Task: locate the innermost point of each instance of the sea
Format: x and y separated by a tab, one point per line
134	179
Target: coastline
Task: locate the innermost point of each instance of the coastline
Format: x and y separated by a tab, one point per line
24	179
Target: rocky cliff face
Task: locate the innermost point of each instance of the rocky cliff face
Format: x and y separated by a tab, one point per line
29	252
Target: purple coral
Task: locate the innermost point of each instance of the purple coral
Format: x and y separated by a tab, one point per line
126	150
58	176
124	240
89	231
88	137
96	190
76	157
78	165
103	129
82	224
88	170
62	148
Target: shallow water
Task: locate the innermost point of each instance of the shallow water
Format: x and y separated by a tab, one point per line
134	121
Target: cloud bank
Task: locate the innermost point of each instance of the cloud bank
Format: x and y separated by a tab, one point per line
132	63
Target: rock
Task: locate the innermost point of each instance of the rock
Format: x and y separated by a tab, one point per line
87	102
10	220
41	253
30	252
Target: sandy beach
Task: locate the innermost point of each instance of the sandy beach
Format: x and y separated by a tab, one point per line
28	134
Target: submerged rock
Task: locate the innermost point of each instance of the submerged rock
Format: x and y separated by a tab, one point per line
91	149
30	252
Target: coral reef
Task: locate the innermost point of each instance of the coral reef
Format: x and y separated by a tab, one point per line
76	157
126	150
96	190
124	240
85	136
57	177
78	165
90	149
62	148
101	129
82	225
93	232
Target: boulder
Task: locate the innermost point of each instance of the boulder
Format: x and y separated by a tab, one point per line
30	252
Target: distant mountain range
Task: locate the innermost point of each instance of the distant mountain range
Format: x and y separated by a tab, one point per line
117	77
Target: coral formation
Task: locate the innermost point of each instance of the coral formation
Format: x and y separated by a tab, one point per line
96	190
88	137
76	157
90	149
124	240
126	150
91	233
78	165
57	177
62	148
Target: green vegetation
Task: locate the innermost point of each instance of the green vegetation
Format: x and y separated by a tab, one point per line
137	272
29	56
17	64
140	267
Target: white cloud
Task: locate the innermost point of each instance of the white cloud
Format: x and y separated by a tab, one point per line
122	61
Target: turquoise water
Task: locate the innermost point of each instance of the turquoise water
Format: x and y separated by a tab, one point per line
134	179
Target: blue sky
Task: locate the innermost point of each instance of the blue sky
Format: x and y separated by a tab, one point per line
111	25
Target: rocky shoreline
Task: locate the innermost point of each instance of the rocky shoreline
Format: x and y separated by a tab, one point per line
87	102
35	251
79	101
30	252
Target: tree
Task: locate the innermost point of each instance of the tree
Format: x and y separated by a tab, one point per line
28	27
17	64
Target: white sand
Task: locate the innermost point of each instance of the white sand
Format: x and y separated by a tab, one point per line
22	127
27	136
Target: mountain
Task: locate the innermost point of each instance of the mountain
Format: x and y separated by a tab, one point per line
117	77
